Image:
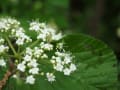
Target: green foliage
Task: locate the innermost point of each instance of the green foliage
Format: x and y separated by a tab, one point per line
47	10
96	68
95	60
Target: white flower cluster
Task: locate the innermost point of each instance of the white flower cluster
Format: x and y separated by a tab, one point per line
37	56
50	77
13	28
3	48
44	32
7	24
31	63
21	36
63	62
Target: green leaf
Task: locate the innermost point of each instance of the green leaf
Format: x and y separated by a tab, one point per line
96	68
96	62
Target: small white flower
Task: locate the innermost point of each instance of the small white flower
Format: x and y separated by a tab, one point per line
37	52
21	67
34	71
57	37
20	41
46	46
29	51
67	59
24	62
44	56
42	36
27	58
15	76
48	30
72	67
2	25
58	67
2	62
67	71
19	32
33	63
60	54
30	79
50	77
53	57
58	60
3	48
52	61
34	26
28	39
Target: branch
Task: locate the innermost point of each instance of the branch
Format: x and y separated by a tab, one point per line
7	75
4	80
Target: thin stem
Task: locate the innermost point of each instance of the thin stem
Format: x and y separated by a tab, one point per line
9	55
11	46
18	49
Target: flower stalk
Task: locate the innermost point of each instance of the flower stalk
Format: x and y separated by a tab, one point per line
11	46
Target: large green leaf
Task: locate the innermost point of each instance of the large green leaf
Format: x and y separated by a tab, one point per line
96	62
96	68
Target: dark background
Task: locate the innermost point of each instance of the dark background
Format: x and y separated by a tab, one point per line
98	18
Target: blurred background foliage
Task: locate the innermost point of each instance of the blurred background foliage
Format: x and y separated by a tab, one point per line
46	10
99	18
